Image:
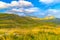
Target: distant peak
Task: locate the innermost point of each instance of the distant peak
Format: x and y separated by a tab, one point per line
49	17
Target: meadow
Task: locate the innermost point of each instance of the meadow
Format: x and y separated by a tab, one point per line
14	27
30	34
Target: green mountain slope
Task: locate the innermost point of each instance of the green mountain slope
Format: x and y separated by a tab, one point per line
14	21
55	21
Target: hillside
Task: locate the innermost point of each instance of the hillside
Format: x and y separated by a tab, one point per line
13	21
14	27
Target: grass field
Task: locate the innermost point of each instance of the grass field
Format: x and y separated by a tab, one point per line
30	34
14	27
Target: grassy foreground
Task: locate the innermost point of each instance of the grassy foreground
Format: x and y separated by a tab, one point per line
14	27
30	34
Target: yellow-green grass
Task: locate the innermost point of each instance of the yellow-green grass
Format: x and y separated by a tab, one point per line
30	34
14	27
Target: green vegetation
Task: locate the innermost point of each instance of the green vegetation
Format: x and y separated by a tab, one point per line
13	21
14	27
39	36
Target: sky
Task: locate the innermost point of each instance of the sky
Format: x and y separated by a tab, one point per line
38	8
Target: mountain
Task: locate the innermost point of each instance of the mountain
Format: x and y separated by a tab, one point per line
56	21
14	21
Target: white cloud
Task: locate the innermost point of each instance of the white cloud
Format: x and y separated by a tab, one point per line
53	12
31	10
20	6
21	3
3	5
18	10
14	3
22	10
49	1
25	4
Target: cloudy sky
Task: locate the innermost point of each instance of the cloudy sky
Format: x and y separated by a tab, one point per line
39	8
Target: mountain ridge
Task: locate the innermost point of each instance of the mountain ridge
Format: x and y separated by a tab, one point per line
13	21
